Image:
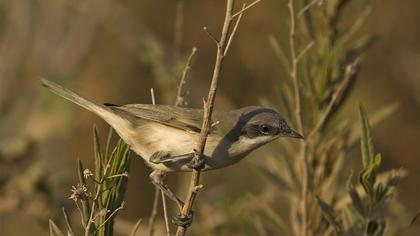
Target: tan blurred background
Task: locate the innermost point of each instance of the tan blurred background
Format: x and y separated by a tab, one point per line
115	51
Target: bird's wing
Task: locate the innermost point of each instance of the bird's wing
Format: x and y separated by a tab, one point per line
189	119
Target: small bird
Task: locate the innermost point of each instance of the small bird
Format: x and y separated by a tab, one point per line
165	136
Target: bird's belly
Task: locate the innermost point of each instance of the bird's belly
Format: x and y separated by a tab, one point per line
154	137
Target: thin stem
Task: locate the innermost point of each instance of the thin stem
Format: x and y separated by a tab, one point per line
165	214
305	50
154	212
179	22
208	110
211	35
298	117
245	8
307	7
152	94
109	217
235	28
180	96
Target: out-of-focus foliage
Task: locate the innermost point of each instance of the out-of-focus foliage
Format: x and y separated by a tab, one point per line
99	196
366	215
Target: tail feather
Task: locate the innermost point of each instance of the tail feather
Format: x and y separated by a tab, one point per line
121	125
75	98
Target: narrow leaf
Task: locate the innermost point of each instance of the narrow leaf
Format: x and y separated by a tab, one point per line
372	227
98	154
54	230
357	202
366	141
68	223
329	215
80	170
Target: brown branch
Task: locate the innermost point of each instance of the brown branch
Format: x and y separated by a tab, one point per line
180	94
208	110
165	214
245	8
179	22
307	7
211	35
235	28
154	212
298	117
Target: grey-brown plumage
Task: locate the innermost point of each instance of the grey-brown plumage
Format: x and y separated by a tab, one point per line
165	136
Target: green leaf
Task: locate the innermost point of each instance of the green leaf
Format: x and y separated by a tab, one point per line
329	215
98	155
367	178
135	228
380	192
377	160
80	170
108	141
54	230
372	227
357	202
366	141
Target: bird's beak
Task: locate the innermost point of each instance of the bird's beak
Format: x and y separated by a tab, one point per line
294	134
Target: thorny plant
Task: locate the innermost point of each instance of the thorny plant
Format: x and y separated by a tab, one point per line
99	196
323	63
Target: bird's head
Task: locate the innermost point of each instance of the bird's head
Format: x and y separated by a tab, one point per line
257	126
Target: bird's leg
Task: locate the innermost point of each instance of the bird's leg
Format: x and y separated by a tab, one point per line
156	177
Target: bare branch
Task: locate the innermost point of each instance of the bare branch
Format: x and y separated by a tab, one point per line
245	8
152	94
298	117
307	7
165	214
180	94
234	31
154	212
211	35
207	114
179	22
305	50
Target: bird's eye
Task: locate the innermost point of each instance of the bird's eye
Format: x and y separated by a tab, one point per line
265	129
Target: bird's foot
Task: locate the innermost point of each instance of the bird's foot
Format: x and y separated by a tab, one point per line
196	164
183	221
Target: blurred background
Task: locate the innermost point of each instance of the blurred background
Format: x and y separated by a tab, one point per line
115	51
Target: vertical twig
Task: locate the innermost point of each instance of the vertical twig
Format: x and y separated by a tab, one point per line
165	213
179	22
156	197
208	110
298	117
180	93
154	212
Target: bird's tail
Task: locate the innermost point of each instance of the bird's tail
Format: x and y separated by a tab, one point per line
75	98
110	116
